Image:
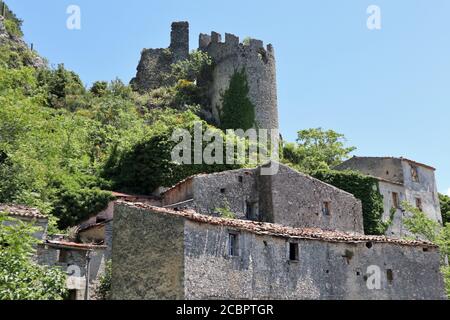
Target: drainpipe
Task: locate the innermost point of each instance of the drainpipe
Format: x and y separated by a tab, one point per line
88	271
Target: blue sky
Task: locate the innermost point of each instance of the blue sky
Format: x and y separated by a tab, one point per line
387	90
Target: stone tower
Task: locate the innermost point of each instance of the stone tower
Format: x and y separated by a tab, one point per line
155	63
179	40
259	64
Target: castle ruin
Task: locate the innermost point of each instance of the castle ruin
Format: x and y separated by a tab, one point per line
228	57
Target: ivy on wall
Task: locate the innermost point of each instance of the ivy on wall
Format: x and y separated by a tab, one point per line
237	112
365	189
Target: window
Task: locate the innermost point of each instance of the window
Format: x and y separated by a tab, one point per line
395	200
293	251
326	208
72	294
241	179
222	190
419	204
233	244
62	258
251	210
390	276
414	174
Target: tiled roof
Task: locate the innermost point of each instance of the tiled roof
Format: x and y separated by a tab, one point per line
270	229
73	245
94	225
124	195
21	211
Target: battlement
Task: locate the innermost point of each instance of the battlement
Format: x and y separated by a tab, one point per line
231	41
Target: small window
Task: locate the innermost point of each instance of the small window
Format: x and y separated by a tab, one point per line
390	276
414	174
395	200
293	251
222	190
326	208
233	245
62	258
419	204
251	210
72	294
240	179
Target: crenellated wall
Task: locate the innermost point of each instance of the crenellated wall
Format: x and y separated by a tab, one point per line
259	63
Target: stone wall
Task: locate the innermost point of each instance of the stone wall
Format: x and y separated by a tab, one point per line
298	200
155	64
324	270
288	197
148	255
234	189
259	64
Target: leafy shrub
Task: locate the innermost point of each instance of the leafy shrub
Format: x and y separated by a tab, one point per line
104	288
365	189
445	208
20	277
237	112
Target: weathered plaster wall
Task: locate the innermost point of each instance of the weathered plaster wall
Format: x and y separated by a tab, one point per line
297	200
385	168
148	251
425	189
387	189
324	270
259	64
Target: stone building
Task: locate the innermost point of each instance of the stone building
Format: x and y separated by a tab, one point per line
83	264
28	215
400	179
228	57
165	254
288	198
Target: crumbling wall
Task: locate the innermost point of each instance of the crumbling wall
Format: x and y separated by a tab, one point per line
424	189
155	64
259	63
324	270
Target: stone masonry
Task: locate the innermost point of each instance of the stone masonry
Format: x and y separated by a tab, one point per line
228	57
400	180
164	254
289	198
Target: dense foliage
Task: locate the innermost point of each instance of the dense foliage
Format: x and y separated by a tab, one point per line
20	277
316	149
445	207
104	289
365	189
237	112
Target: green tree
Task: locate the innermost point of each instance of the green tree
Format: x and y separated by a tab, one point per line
104	288
237	112
316	149
20	277
445	207
424	228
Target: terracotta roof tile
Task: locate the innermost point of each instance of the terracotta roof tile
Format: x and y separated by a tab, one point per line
22	211
73	245
277	230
